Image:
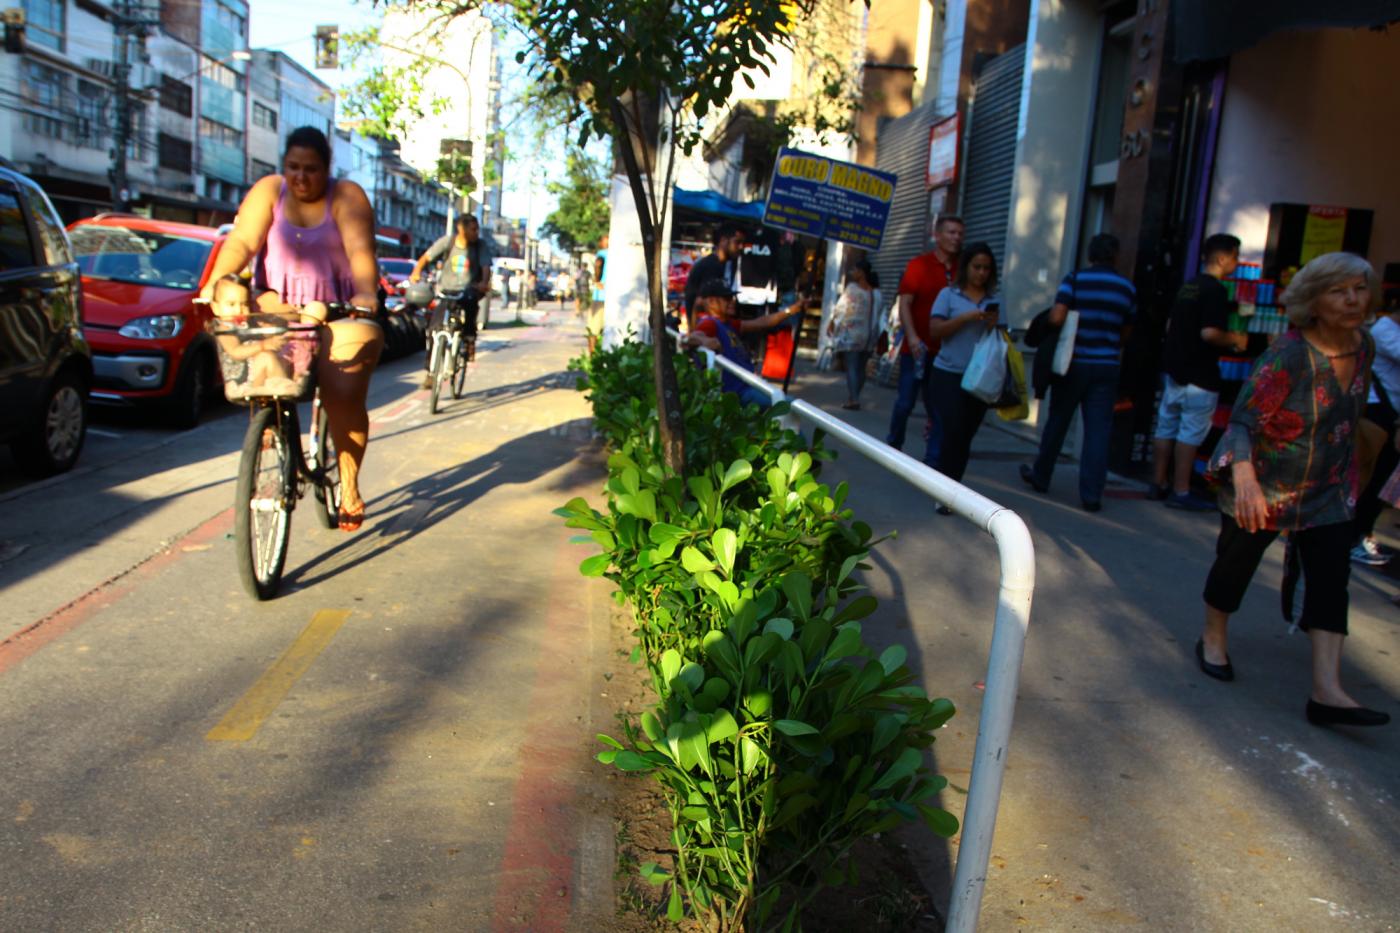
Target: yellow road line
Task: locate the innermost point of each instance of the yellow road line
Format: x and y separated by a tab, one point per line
251	711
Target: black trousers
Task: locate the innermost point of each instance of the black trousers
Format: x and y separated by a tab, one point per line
960	415
1324	551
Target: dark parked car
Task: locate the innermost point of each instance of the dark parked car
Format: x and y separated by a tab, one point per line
45	364
150	344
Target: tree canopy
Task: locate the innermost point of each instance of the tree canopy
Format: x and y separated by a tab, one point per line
581	219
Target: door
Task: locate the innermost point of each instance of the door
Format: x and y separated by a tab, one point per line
23	349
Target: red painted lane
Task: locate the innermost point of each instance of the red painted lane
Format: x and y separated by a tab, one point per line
536	888
60	622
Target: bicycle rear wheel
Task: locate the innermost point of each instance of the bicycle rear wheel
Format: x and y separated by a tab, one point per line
328	491
459	367
262	504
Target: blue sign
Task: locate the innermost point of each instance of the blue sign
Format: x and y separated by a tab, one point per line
822	197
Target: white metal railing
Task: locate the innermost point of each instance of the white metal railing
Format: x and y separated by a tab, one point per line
1017	554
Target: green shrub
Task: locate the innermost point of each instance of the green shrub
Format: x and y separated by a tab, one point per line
779	736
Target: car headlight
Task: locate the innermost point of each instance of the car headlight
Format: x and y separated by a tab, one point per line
156	327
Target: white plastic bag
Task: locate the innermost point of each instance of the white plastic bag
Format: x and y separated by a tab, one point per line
986	372
1064	349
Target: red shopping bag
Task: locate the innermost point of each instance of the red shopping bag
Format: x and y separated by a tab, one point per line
777	357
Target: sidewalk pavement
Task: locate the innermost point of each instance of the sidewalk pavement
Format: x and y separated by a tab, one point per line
1139	793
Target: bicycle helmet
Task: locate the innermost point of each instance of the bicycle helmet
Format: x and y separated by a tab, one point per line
419	294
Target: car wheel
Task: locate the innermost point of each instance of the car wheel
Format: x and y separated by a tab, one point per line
55	438
188	402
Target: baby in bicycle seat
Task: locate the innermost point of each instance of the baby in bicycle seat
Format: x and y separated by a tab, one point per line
253	365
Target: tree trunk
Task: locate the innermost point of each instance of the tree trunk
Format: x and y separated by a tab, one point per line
668	399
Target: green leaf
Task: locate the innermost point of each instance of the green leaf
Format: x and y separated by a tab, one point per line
886	728
670	664
798	588
940	821
651	727
716	688
726	546
759	702
738	471
653	874
794	727
595	566
792	808
663	533
722	726
892	658
695	562
675	911
858	608
631	761
631	479
905	765
780	627
609	740
692	675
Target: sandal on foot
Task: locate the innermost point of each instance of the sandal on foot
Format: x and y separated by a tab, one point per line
351	521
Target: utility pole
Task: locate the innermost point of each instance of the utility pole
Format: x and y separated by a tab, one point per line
129	22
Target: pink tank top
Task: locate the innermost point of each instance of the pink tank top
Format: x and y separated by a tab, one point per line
304	264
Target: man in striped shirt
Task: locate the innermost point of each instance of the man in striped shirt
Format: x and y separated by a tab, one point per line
1106	302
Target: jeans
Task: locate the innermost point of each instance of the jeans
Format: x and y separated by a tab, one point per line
910	385
855	372
960	414
1092	389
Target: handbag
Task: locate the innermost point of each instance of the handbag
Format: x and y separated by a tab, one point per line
986	371
1013	404
825	359
1064	347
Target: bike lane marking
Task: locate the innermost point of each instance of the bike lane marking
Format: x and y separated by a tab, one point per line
537	873
246	716
30	639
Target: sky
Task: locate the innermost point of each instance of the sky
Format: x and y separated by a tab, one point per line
290	27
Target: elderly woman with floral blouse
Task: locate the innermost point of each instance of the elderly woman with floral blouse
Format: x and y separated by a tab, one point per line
1290	455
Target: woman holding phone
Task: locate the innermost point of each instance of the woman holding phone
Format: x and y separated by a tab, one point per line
962	313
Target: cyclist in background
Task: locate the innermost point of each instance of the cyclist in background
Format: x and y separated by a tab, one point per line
466	268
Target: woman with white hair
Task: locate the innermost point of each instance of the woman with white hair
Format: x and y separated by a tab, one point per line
1289	455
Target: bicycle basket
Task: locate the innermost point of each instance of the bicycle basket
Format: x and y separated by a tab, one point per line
286	369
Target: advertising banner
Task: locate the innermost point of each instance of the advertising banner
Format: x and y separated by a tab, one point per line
826	198
943	152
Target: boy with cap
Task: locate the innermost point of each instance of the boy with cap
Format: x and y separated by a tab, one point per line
719	330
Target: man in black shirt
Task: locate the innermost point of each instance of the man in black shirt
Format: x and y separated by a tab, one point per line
1197	332
729	240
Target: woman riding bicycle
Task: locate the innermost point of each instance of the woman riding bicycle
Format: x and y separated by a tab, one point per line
466	264
313	237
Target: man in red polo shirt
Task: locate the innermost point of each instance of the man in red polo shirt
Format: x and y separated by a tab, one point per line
924	277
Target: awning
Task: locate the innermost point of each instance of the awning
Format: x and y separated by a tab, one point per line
1207	29
709	202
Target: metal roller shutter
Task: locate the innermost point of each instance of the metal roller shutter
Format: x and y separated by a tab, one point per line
991	150
903	150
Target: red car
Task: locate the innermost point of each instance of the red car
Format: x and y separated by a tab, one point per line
395	273
148	337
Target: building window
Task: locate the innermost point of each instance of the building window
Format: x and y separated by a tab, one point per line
176	96
44	22
219	133
222	74
262	169
44	90
175	153
265	117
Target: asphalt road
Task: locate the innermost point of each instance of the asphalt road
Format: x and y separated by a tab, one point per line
391	744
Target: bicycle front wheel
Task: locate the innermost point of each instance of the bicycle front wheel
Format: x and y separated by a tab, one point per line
439	373
262	504
459	367
328	490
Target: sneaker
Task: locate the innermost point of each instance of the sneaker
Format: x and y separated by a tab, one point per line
1188	503
1028	477
1157	493
1368	552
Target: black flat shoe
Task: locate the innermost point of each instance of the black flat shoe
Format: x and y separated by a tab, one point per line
1028	476
1320	714
1224	672
1091	506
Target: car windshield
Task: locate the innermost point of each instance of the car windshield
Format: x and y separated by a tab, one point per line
141	257
397	266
